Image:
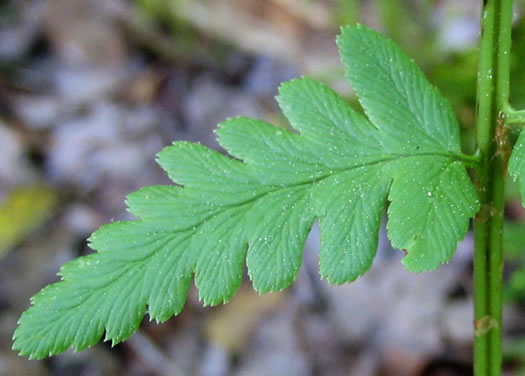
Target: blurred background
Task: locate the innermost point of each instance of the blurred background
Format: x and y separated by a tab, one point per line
91	90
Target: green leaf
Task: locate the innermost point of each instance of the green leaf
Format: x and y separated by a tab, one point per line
338	168
517	164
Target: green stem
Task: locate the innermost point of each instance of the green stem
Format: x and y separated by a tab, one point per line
471	160
513	116
492	98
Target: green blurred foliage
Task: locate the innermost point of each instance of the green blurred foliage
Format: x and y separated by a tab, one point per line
347	12
7	13
164	12
518	66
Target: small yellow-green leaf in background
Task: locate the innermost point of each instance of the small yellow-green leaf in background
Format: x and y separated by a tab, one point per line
21	212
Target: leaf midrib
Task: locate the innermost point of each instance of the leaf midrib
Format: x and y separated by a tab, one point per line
342	170
333	172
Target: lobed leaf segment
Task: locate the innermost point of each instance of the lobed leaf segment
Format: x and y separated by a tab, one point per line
337	167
